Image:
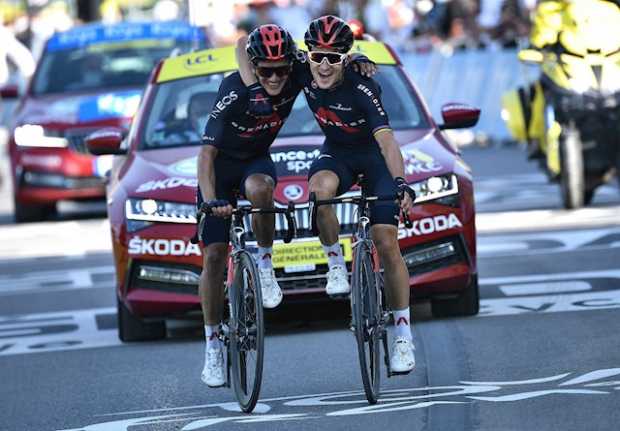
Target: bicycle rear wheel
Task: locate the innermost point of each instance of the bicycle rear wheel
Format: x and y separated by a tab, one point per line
246	332
366	311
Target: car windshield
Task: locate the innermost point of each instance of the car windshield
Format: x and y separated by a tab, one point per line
104	65
169	123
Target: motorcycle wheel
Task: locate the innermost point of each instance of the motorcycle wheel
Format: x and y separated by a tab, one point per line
572	178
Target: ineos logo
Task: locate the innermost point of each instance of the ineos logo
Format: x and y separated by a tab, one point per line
293	192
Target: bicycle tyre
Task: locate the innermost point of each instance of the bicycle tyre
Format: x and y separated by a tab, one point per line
247	332
366	317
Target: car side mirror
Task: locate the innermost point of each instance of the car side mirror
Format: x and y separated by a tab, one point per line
10	91
458	116
106	141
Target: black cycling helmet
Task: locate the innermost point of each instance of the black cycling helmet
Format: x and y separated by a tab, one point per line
270	42
329	31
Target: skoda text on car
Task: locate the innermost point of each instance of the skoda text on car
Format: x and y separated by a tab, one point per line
152	191
87	77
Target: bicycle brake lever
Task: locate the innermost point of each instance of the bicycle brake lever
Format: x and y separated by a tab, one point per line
291	223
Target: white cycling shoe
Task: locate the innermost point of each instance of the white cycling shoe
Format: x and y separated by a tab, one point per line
402	359
213	371
337	281
272	294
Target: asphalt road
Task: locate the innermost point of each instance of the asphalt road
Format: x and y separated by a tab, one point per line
544	353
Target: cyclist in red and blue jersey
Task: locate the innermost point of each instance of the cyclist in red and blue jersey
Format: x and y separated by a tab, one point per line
243	123
358	140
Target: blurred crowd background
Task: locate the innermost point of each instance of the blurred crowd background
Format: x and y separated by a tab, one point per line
408	25
424	32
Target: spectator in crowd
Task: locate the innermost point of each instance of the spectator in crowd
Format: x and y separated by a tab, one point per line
13	50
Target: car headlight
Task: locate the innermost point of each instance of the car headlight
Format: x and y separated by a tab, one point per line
435	188
33	135
153	210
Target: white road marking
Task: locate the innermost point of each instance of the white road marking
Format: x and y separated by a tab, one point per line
53	280
320	406
611	273
538	288
546	219
609	299
45	332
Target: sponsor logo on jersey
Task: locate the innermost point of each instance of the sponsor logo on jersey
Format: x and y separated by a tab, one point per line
309	92
273	123
221	104
162	247
284	102
330	118
375	100
430	225
339	107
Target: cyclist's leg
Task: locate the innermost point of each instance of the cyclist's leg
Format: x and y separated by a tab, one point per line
215	237
258	184
328	178
259	180
384	232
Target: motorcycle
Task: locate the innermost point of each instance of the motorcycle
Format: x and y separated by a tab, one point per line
570	116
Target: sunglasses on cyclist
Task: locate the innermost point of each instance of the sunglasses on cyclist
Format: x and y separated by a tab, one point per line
333	58
266	72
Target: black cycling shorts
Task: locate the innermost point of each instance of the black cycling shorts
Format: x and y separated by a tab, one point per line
347	165
230	176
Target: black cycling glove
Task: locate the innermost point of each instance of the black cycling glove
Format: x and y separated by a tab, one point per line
403	188
260	103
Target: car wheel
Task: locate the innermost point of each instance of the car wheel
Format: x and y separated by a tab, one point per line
466	304
31	213
132	328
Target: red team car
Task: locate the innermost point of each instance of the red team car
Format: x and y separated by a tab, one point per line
152	191
87	78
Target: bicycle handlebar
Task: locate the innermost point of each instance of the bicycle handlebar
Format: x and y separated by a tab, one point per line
240	211
314	203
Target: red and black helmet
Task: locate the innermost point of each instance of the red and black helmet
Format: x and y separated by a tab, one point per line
270	42
329	32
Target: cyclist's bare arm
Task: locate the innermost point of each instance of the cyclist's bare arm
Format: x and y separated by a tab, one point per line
245	67
393	159
206	178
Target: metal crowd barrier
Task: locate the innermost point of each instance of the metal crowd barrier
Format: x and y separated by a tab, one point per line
476	77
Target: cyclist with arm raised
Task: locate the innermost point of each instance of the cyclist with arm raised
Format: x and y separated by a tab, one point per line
242	125
359	140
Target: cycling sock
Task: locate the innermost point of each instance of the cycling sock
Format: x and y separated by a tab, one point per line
211	335
334	255
264	257
402	321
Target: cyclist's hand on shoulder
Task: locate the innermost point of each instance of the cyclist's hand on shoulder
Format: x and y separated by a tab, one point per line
259	104
406	193
219	207
363	65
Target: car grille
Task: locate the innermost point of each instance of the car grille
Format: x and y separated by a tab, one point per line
344	212
76	138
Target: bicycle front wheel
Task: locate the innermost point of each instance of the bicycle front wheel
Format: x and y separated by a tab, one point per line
246	332
365	307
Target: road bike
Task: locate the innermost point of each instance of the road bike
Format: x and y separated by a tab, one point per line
243	329
369	312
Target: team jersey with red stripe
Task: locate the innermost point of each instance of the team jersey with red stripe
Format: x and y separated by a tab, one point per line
234	131
349	113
